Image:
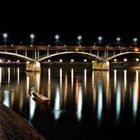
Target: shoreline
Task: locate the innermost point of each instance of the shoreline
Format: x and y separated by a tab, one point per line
13	126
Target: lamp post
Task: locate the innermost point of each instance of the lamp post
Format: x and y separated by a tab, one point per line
32	36
5	36
118	40
79	38
57	37
135	41
100	39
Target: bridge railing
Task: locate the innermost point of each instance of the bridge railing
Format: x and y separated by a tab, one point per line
65	47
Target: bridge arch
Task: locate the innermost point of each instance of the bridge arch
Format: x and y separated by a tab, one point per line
16	55
92	56
121	54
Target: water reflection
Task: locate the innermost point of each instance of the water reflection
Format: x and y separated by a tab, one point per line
57	111
79	93
135	95
49	83
118	102
79	104
32	105
6	100
100	104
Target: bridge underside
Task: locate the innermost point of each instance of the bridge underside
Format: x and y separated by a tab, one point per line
125	61
71	57
12	57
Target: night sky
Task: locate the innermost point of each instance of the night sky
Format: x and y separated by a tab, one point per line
69	19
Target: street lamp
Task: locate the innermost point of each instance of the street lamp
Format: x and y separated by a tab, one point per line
5	35
57	37
100	39
32	36
79	39
135	41
118	39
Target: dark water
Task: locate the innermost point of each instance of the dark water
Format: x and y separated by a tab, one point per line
84	104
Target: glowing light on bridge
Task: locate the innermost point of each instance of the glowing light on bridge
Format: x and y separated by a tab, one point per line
32	36
49	60
60	60
77	49
137	59
125	60
72	60
100	39
5	36
115	60
57	38
118	39
136	50
79	39
27	62
135	39
85	60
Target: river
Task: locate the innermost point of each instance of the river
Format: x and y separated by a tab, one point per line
85	104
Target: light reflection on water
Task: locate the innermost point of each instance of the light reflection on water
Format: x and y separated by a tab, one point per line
76	94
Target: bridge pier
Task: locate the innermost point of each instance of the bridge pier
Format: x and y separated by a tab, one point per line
33	66
100	65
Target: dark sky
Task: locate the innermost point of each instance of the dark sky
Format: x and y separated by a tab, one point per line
70	18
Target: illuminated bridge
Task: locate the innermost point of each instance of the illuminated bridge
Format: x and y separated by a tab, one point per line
100	56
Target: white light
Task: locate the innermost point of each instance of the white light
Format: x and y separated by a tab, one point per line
85	60
135	39
32	36
27	62
79	37
125	60
60	60
100	38
115	60
72	60
5	35
57	37
49	60
118	39
137	59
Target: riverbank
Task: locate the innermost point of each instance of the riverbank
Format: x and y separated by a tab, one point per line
14	127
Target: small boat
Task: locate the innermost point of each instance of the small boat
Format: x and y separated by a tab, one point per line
40	98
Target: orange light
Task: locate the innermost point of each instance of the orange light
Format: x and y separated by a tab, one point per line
77	49
136	49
